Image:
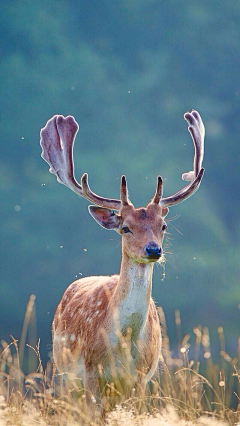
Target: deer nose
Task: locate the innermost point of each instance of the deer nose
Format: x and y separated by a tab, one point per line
153	251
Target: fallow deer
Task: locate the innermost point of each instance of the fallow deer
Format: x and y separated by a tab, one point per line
86	319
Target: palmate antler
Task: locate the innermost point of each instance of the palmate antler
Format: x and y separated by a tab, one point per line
57	140
197	132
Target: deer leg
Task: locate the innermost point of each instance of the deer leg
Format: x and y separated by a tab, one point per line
90	385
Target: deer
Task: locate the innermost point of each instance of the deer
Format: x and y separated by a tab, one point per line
95	312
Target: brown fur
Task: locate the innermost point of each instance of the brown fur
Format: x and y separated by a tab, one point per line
85	322
89	298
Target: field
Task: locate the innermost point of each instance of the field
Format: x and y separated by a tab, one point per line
183	392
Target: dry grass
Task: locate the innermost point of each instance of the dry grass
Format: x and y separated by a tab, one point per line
179	394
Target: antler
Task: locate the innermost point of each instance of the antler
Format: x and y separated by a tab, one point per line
197	132
57	140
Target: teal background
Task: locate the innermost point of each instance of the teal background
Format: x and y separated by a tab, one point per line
127	70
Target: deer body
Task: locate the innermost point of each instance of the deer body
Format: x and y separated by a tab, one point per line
96	314
94	333
93	310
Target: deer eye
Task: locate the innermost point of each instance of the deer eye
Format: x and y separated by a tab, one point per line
164	227
126	230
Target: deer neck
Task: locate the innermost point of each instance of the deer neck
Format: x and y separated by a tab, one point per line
133	294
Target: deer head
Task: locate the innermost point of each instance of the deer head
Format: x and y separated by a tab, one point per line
142	229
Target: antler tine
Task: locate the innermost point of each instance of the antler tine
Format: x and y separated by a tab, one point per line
158	193
197	132
57	140
184	193
124	192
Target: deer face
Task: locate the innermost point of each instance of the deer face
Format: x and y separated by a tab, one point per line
142	229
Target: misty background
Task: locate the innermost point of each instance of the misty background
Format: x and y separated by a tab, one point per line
127	70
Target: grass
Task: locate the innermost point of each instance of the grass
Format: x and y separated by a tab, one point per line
183	392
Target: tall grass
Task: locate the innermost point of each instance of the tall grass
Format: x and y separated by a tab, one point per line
183	392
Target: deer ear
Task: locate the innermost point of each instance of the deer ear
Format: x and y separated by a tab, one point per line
165	211
105	217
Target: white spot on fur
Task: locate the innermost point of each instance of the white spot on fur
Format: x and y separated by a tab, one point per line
72	337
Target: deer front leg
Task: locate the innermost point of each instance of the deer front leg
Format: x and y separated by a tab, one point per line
90	385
